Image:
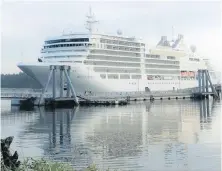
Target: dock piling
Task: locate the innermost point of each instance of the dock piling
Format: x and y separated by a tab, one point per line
54	82
63	70
203	83
68	86
211	84
61	81
46	87
71	86
199	80
207	85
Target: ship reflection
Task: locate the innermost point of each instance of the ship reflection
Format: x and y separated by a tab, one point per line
132	134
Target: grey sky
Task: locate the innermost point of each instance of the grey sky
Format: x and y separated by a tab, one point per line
25	25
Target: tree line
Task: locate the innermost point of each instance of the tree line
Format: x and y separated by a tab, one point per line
20	80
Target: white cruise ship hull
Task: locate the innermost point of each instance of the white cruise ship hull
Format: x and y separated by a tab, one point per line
86	80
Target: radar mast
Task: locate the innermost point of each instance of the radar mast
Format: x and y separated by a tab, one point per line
90	21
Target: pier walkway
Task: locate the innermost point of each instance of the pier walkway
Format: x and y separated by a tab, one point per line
36	93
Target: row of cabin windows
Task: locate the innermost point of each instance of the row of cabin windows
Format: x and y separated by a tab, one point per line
116	70
67	40
157	71
121	76
171	57
162	66
158	57
120	42
153	56
158	77
76	50
122	39
118	48
122	48
161	61
111	63
116	76
194	59
117	53
113	58
72	56
115	47
66	45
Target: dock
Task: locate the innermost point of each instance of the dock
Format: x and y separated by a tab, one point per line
69	98
20	97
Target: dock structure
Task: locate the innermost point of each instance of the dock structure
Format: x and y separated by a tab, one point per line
205	86
61	100
69	98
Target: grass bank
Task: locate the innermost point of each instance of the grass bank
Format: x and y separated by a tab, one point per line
31	164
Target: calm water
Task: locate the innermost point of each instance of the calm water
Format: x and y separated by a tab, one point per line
170	135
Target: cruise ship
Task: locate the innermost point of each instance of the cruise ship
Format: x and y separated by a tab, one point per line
116	63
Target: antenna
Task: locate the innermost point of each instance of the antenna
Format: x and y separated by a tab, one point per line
172	33
90	21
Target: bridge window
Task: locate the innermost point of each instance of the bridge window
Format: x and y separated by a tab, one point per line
67	40
63	45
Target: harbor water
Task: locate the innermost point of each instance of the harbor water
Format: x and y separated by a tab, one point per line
169	135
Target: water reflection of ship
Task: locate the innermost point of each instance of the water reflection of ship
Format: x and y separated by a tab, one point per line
206	112
62	146
142	130
192	122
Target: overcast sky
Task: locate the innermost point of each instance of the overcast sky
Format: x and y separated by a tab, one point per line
25	25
